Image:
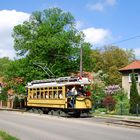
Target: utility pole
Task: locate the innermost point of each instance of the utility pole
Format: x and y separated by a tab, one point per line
81	62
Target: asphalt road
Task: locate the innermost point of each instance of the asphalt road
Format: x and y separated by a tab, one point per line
27	126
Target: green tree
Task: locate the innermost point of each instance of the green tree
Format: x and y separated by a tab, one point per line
110	59
4	63
49	37
134	96
98	93
15	76
3	94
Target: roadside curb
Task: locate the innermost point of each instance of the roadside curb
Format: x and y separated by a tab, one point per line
10	109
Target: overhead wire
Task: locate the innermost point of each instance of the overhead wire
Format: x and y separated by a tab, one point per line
124	40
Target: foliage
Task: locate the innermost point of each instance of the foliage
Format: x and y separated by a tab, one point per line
109	102
122	102
4	63
98	89
6	136
3	94
112	89
88	57
14	76
134	96
49	37
110	59
100	111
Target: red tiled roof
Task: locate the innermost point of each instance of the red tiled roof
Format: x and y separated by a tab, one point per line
132	66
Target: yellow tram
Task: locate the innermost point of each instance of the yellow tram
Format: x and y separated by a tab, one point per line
62	96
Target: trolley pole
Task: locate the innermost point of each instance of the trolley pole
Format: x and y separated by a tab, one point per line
81	62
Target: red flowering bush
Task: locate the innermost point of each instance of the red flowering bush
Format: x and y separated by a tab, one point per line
109	102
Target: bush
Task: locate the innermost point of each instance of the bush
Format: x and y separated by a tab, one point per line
112	89
98	93
109	103
122	103
100	111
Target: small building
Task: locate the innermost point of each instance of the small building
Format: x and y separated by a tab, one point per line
126	75
10	93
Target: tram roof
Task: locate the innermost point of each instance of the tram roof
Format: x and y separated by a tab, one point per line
58	82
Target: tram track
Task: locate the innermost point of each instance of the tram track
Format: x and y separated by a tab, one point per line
128	123
119	121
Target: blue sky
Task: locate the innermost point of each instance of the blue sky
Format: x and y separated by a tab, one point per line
103	21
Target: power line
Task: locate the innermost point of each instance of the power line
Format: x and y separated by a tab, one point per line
124	40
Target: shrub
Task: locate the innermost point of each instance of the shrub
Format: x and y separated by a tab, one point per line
122	102
134	96
109	103
98	93
112	89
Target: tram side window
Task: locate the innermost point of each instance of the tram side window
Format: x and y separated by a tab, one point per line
60	88
41	95
38	94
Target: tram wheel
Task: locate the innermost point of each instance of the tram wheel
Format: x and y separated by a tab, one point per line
30	111
40	111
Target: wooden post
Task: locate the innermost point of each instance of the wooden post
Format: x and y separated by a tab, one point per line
81	62
0	103
8	103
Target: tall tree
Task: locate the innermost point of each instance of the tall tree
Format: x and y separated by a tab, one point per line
4	63
49	37
134	96
110	59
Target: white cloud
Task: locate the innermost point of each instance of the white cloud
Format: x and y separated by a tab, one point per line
111	2
137	52
98	36
8	19
101	5
96	7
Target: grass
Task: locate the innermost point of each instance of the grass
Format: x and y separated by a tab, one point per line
5	136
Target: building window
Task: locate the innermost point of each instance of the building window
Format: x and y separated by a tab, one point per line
136	77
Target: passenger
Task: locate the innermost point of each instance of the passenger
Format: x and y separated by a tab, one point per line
46	96
81	91
55	95
74	91
69	93
60	95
